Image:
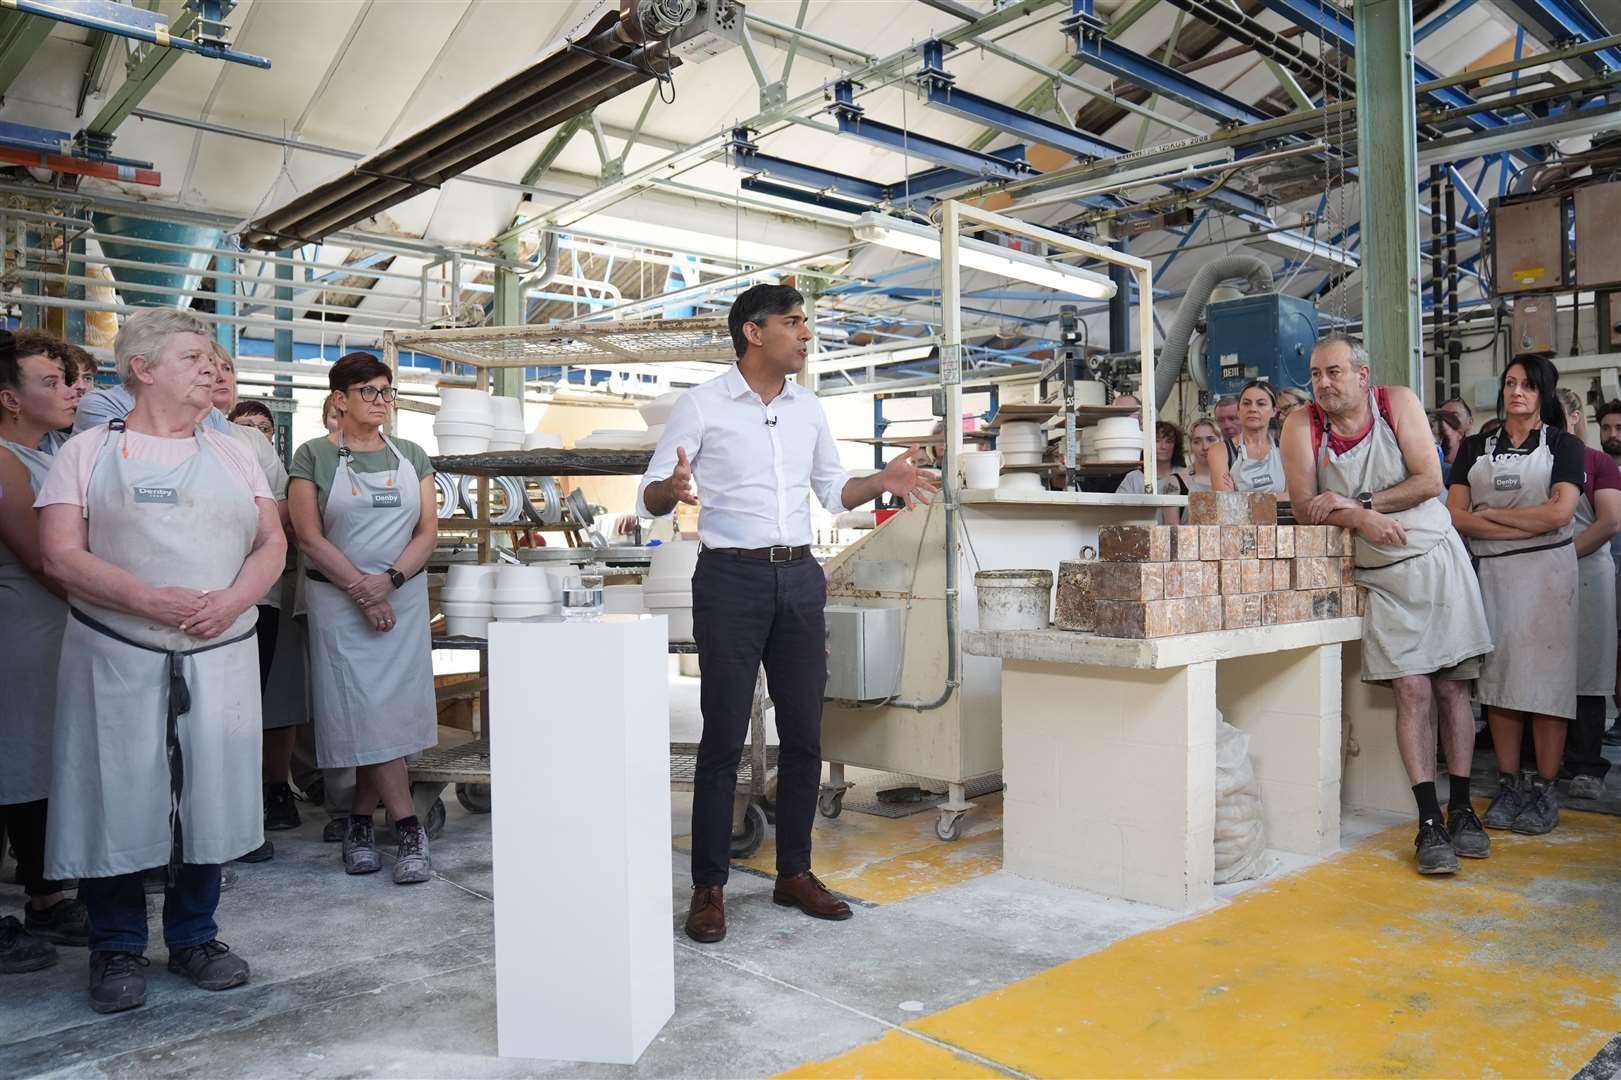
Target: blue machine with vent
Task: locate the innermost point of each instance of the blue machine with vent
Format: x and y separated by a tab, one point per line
1259	337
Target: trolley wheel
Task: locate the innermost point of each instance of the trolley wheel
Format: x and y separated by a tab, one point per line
948	826
435	823
831	803
475	798
748	841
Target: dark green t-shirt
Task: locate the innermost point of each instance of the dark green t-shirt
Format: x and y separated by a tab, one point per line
317	462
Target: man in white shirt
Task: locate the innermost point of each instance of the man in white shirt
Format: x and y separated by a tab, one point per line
758	445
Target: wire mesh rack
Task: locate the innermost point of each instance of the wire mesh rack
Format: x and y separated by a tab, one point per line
601	344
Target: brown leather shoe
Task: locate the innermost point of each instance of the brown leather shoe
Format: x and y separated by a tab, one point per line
809	895
706	918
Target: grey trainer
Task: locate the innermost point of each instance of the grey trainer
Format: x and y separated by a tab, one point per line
360	849
1586	787
411	864
1541	811
211	965
1469	839
1512	795
1435	854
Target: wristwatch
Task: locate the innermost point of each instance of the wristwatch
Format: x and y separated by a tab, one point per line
1366	499
396	577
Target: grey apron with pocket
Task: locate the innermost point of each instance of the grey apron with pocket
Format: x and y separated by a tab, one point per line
373	692
157	748
1595	583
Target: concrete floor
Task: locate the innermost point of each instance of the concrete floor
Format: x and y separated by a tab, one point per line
359	977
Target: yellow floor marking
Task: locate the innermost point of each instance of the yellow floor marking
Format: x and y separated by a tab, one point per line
1353	967
898	1057
882	860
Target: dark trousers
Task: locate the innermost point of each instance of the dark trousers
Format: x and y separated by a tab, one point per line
266	631
117	909
1584	744
23	824
746	612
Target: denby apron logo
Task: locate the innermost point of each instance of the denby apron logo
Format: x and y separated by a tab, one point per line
155	495
385	498
1506	483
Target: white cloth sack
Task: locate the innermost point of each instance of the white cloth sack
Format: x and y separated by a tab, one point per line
1240	824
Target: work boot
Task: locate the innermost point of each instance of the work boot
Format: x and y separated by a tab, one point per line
411	863
211	965
263	853
281	812
808	894
1541	812
1586	787
1512	795
1469	838
332	832
65	922
21	951
360	849
116	982
1435	854
706	918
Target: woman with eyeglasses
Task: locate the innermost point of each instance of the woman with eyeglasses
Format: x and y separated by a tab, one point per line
253	414
1258	465
364	510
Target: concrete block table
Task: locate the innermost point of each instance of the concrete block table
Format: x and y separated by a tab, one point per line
580	785
1109	750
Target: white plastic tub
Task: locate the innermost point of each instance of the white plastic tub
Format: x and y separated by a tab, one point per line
1014	599
980	468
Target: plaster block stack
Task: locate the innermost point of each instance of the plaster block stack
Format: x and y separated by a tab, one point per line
1233	566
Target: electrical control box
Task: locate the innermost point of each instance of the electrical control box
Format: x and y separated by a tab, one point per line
1598	223
1530	245
1535	324
863	652
1269	336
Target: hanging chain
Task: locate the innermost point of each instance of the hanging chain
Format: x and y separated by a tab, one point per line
1332	78
1342	98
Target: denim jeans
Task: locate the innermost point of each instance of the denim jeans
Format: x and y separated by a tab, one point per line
117	908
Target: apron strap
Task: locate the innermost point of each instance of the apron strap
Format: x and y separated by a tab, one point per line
179	705
1529	550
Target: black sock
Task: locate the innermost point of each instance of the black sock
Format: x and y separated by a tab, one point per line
1428	808
1458	792
405	823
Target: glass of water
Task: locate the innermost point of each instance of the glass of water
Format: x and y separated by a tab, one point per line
582	598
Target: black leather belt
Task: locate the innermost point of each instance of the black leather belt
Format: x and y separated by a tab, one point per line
315	575
179	705
779	553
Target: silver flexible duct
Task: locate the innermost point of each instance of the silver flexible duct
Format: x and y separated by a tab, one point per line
1173	354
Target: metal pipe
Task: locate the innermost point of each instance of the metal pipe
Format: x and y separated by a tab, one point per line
218	275
259	321
665	299
807	35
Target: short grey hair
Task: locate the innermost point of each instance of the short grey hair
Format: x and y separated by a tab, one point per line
145	334
1359	355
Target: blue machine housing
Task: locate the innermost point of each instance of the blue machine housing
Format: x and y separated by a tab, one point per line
1259	337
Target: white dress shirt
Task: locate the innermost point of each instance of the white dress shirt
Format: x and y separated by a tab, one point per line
754	465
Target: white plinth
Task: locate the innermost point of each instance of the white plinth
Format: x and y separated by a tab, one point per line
580	776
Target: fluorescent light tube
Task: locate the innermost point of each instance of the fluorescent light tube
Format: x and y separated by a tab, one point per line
920	240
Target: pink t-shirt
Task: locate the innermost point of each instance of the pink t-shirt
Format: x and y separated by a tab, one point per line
69	478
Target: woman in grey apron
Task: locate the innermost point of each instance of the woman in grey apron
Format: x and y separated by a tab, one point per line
364	512
1258	464
1513	495
36	399
163	535
1596	521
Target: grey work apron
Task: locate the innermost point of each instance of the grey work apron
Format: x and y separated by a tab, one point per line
1595	583
1528	586
31	623
373	691
157	748
1424	614
1259	474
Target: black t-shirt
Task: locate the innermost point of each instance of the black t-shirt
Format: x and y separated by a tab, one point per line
1569	467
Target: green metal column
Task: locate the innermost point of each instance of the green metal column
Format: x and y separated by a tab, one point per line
1387	147
224	290
508	311
73	318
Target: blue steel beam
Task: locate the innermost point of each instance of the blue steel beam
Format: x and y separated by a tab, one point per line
1567	19
137	23
1093	46
746	157
1441	20
1467	193
811	198
853	122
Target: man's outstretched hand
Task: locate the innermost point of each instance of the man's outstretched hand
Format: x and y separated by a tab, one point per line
903	479
680	482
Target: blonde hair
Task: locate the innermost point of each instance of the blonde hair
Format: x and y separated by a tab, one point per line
145	334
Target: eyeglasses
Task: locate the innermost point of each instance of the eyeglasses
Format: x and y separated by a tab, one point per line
372	393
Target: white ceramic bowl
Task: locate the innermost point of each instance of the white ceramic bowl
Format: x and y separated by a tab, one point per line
1020	481
510	612
1021	457
527	583
475	579
1119	427
454	445
506	440
464	403
507	412
543	440
657	411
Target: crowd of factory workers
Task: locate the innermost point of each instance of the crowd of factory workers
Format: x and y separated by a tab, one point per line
161	638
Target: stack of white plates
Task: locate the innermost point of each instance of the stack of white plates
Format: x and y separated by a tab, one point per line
1119	439
657	412
465	421
667	589
465	601
611	439
543	440
1021	443
507	433
525	592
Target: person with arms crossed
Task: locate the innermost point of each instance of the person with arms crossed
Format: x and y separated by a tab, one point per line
748	448
1362	457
